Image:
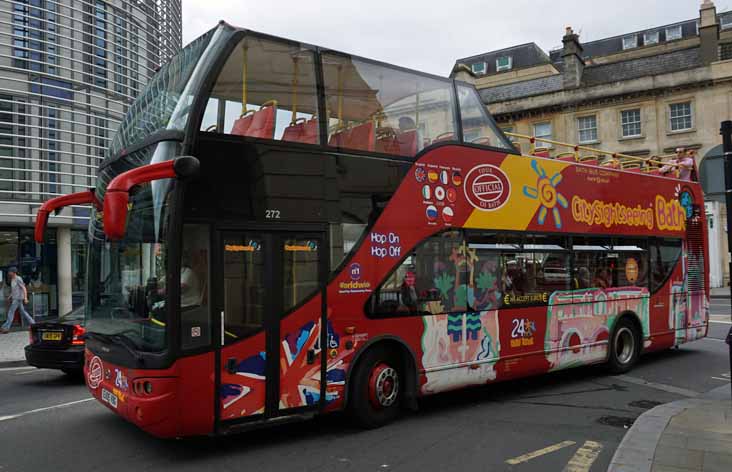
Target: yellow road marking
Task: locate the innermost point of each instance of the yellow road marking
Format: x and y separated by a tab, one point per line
584	457
540	452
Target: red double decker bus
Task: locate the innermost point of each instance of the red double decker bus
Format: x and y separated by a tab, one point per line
281	230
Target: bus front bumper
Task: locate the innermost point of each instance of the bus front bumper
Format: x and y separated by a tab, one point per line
138	396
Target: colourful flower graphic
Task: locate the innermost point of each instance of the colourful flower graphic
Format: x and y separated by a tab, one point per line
546	192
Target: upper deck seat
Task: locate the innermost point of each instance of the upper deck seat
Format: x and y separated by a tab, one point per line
263	124
567	156
339	138
302	131
294	132
310	131
449	136
388	144
407	142
362	137
243	123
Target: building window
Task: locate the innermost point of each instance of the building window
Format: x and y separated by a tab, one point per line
587	128
673	32
680	116
630	123
725	51
543	130
478	68
504	63
630	42
650	38
725	21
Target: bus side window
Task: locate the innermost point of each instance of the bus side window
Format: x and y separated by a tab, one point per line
631	269
195	319
665	254
433	279
378	108
267	89
478	127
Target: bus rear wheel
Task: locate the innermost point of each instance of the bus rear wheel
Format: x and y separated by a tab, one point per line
624	347
377	388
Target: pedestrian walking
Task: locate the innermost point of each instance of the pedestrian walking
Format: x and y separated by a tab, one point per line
18	298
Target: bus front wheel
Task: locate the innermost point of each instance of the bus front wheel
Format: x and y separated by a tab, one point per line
377	388
624	347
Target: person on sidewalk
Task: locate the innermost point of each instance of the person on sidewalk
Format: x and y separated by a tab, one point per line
18	298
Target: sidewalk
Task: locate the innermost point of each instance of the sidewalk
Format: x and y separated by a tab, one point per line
682	436
11	348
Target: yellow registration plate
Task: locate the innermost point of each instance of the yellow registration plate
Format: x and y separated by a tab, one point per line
52	336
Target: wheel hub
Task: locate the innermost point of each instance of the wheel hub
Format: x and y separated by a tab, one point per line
383	386
624	345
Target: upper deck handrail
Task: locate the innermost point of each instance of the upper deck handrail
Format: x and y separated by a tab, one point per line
658	160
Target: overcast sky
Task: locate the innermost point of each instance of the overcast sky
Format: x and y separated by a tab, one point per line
430	35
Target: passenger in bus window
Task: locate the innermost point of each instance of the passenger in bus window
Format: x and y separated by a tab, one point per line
602	279
190	287
583	278
406	124
409	292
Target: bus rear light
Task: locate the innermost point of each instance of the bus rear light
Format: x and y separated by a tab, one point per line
78	337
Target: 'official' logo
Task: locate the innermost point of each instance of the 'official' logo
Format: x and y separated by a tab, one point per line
487	187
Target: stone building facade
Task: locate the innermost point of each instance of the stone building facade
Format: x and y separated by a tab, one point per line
643	93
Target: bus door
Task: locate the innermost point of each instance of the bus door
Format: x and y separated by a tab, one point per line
269	288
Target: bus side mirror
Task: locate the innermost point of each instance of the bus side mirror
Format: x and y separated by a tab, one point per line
117	197
56	204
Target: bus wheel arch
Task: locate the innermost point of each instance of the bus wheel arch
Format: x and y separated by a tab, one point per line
626	343
372	361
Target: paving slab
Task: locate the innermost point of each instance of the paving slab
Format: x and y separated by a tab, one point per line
685	435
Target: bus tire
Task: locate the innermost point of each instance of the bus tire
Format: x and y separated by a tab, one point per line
377	388
624	347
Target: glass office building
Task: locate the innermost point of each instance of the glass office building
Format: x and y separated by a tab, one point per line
68	71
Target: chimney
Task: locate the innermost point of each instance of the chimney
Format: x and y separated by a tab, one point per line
708	32
572	57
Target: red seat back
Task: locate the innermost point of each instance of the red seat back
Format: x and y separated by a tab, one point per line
407	142
263	124
294	132
361	137
310	131
339	138
242	124
387	145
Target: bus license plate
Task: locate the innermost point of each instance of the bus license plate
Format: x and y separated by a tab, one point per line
52	336
109	397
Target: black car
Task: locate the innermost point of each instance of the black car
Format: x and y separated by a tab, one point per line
58	345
